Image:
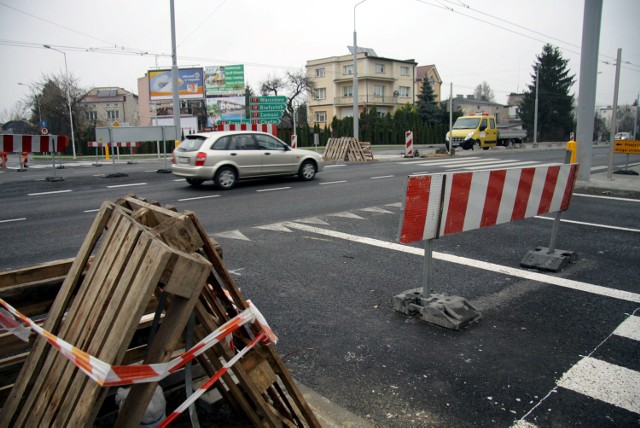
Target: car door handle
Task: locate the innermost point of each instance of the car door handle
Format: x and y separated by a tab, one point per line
234	154
267	154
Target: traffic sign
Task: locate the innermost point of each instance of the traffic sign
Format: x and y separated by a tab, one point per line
268	107
265	121
629	147
268	99
266	114
44	131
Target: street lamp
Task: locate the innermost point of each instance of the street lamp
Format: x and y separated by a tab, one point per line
66	72
355	73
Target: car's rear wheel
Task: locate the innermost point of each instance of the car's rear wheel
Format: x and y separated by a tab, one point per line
194	182
226	178
307	171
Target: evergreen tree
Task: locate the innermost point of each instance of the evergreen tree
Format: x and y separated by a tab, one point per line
555	103
427	106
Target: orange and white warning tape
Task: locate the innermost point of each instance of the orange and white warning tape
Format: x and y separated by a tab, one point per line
111	375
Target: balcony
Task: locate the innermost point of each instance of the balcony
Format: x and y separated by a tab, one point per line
370	99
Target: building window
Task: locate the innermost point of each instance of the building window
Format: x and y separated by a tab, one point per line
431	81
347	69
321	93
404	91
347	91
404	71
113	114
380	68
319	72
320	116
378	91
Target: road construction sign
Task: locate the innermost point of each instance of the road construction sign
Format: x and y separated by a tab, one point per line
627	147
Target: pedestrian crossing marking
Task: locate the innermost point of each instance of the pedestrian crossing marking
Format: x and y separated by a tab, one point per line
312	220
376	210
234	234
630	328
276	227
347	214
604	381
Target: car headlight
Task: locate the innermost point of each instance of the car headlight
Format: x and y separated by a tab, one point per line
469	136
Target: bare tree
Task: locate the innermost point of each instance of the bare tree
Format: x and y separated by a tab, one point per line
484	92
18	111
296	84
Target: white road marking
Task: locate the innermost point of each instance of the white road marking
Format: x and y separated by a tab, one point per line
274	189
376	210
277	227
604	226
91	211
614	198
9	220
49	193
234	234
479	264
335	166
198	197
347	214
312	220
604	381
630	328
177	179
504	164
115	186
382	176
445	161
333	182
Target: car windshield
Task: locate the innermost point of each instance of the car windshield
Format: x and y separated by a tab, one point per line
191	143
466	123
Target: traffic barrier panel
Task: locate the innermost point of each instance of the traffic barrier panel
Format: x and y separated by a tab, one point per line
20	143
408	144
442	204
294	141
260	127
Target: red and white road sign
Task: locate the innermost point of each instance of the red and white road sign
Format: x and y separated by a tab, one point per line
261	127
442	204
18	143
408	140
294	141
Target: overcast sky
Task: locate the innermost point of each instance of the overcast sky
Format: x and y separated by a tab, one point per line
115	42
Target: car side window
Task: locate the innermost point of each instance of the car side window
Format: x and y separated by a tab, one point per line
266	142
483	124
492	123
221	144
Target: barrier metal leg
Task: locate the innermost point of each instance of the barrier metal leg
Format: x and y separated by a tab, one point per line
452	312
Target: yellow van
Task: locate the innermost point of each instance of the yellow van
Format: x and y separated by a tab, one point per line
474	130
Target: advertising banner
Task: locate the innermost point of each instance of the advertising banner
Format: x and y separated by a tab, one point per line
190	84
225	108
224	80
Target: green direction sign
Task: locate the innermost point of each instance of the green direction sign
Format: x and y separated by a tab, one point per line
266	114
268	100
268	107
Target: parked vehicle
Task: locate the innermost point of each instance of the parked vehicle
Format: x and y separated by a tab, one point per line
623	136
480	130
228	156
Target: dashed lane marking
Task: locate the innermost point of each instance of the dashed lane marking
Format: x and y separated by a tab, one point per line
382	176
10	220
333	182
198	197
275	189
53	192
115	186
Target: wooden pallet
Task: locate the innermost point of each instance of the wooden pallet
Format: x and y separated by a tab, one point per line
104	313
261	387
347	149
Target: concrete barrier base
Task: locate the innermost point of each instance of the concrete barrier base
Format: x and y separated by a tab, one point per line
542	259
452	312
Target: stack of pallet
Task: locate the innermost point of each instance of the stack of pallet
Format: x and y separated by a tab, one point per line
347	149
136	255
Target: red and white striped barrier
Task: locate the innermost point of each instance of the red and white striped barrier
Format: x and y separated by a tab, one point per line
261	127
408	144
114	144
442	204
18	143
294	141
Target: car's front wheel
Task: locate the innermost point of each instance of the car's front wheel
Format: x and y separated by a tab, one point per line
307	171
226	178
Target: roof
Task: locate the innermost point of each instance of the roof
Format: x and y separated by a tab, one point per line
106	95
423	70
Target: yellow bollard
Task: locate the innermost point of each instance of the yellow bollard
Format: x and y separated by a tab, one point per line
572	146
106	152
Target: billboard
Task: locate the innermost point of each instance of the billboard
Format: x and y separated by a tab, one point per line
189	84
225	108
224	80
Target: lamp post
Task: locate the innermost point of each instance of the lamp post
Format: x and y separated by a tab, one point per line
355	73
535	111
66	72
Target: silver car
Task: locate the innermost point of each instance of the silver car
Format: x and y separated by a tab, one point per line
228	156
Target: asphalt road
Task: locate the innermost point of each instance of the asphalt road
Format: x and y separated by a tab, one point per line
322	263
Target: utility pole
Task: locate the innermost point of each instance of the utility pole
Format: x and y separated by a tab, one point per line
355	75
535	111
614	116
